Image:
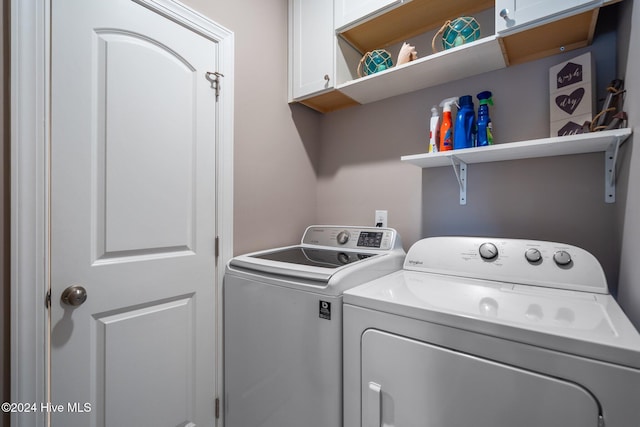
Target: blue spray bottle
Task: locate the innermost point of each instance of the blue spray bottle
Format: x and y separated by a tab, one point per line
485	129
465	127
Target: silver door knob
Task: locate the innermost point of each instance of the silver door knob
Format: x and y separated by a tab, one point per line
504	13
74	295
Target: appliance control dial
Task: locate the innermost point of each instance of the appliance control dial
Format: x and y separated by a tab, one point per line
562	258
488	251
343	237
533	255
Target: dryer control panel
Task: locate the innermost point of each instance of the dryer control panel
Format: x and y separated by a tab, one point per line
375	238
518	261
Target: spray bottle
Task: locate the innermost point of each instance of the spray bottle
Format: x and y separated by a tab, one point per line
465	130
433	130
485	129
446	131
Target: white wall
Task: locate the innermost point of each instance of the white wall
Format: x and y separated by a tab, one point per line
276	145
629	218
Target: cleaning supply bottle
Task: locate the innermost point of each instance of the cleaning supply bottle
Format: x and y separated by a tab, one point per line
446	131
465	128
485	129
433	130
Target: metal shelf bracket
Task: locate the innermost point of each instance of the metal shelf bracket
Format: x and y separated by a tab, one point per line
460	169
610	161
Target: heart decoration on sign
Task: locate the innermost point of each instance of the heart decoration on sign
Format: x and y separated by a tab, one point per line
570	128
569	103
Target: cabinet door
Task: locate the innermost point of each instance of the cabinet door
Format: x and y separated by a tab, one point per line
312	46
348	11
516	15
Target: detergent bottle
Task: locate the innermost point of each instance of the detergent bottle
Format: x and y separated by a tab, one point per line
465	129
446	128
433	130
485	129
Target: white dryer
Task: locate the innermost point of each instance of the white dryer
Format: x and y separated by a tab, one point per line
283	324
490	333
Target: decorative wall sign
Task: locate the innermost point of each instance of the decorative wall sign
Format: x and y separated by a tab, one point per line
570	95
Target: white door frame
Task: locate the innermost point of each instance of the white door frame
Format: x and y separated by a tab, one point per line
30	160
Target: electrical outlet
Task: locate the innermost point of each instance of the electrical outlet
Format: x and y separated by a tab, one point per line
381	219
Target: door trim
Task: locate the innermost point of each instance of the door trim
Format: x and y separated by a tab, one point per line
30	190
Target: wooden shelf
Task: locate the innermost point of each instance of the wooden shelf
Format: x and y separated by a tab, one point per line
457	63
487	54
410	19
605	141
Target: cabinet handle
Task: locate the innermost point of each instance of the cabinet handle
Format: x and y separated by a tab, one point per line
504	13
326	77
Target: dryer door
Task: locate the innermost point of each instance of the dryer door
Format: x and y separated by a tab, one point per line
411	383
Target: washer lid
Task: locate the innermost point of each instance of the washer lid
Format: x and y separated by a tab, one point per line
302	262
327	250
581	323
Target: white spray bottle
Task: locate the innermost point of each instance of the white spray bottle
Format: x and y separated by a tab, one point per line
434	130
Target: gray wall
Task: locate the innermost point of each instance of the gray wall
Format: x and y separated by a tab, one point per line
629	208
276	145
557	199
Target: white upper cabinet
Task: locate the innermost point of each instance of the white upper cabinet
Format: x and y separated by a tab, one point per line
311	47
350	11
518	15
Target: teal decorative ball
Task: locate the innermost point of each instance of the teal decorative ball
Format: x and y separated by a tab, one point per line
460	31
377	60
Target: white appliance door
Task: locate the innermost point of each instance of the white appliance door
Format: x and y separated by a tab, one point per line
410	383
133	218
282	356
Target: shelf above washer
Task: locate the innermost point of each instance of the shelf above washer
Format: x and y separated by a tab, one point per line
606	141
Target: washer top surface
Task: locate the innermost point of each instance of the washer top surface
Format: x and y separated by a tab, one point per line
486	293
329	254
316	257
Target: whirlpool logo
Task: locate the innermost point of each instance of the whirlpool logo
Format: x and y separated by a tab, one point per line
415	262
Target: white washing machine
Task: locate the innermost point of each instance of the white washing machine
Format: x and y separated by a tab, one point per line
283	324
490	333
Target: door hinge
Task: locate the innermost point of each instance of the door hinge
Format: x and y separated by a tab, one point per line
217	247
47	300
217	408
214	78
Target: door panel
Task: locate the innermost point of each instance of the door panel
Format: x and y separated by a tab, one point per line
158	205
527	13
139	362
406	382
133	214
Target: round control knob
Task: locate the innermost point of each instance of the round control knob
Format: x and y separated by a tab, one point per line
343	237
343	258
533	255
562	258
488	251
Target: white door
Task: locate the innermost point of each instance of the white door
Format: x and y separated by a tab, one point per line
515	15
133	217
350	11
311	46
